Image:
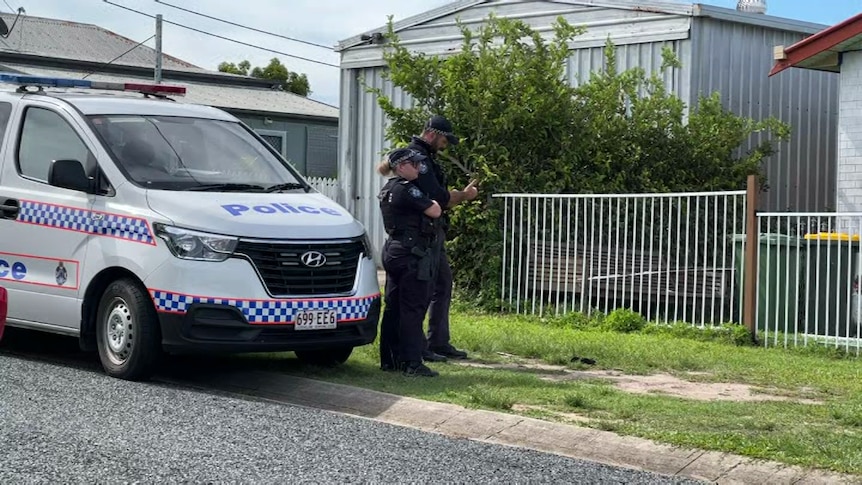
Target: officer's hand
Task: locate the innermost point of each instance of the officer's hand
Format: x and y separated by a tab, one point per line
434	211
470	191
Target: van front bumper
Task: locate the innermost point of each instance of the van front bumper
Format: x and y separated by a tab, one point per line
221	328
224	307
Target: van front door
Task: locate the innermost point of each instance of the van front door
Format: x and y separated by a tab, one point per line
44	229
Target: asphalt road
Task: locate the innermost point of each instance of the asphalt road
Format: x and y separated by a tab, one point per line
62	420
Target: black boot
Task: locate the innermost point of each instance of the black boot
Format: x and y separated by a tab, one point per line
417	369
449	351
429	356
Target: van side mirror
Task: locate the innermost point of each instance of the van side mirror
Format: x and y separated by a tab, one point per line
69	174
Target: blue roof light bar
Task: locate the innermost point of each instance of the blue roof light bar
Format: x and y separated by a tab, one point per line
24	80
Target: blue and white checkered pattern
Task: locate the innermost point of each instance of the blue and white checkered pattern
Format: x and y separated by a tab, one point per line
80	220
268	312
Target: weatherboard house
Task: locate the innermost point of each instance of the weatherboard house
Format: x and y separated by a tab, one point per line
837	49
303	130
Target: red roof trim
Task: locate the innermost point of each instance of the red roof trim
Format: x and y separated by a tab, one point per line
819	42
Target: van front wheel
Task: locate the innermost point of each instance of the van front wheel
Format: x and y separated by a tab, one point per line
127	331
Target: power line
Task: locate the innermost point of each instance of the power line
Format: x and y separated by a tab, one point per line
10	6
119	56
221	37
243	26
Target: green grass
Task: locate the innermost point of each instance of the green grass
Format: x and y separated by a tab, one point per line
827	435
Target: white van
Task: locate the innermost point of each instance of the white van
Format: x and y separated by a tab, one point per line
140	224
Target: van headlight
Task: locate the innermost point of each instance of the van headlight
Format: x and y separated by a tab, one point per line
366	246
198	246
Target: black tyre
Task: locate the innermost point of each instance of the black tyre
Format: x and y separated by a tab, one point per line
328	357
127	332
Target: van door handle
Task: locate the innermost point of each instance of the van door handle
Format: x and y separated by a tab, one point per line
9	209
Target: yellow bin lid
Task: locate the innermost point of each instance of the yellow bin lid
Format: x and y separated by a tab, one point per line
832	236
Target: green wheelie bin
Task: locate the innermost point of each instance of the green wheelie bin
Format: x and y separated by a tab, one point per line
780	261
831	266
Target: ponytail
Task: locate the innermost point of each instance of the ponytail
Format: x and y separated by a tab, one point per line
383	168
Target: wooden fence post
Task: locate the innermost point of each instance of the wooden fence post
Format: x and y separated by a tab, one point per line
752	234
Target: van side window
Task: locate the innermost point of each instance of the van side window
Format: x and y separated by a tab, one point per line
46	137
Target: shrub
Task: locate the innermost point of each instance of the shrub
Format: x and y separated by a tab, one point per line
624	320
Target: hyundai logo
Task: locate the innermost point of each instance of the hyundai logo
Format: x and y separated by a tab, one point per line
313	259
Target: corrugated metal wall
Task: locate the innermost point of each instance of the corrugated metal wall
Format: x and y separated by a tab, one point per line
734	59
364	127
442	35
646	55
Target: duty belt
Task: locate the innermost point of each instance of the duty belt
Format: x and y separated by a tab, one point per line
423	247
412	236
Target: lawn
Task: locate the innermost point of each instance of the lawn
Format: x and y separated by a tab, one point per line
525	365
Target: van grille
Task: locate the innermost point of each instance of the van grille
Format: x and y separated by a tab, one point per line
283	272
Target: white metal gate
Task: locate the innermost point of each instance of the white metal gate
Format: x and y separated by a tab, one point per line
671	257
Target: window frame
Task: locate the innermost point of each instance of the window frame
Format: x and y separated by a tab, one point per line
20	139
282	134
4	125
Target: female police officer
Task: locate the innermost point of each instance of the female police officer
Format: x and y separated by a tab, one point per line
410	263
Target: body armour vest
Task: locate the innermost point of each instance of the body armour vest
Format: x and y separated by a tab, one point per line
400	216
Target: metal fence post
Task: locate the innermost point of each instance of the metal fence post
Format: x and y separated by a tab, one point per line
752	232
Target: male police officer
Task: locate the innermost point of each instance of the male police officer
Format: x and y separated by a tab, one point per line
437	136
410	263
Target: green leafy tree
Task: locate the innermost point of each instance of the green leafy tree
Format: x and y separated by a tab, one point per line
275	70
525	129
240	68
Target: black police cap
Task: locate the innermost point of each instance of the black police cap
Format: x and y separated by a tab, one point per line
440	125
403	155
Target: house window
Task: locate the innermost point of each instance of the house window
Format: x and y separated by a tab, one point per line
322	151
278	140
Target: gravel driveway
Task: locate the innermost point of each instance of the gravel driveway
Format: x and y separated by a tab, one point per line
72	424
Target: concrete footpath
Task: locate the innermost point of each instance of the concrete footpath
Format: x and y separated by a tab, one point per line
509	430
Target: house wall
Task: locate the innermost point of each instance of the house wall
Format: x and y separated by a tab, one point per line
311	147
849	178
734	59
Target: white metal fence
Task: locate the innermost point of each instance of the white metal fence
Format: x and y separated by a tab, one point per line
808	279
328	187
670	257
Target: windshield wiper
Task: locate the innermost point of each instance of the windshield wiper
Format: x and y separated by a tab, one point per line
226	188
287	186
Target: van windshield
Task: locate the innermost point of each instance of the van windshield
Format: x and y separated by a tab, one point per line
175	153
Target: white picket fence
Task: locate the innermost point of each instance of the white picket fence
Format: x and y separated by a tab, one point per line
328	187
671	257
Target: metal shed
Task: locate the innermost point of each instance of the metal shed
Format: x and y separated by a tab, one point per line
721	49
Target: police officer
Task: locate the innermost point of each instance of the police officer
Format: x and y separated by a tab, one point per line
409	261
437	136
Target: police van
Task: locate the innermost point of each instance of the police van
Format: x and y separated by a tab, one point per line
141	225
2	311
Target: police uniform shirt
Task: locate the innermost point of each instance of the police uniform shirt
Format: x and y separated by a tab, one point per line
406	202
431	179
